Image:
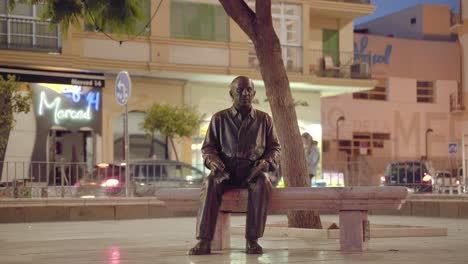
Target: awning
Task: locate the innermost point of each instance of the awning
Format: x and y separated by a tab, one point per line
39	75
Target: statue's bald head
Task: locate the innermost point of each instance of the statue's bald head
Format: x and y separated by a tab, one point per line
242	92
242	79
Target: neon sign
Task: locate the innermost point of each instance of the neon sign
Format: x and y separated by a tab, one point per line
58	104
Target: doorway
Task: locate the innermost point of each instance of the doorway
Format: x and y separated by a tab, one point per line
70	155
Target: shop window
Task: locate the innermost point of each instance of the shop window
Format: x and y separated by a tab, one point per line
140	146
378	93
363	143
199	21
425	91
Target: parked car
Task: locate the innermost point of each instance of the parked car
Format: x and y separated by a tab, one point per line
416	175
105	180
150	175
146	176
445	181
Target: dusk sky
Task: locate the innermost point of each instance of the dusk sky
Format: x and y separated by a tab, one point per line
385	7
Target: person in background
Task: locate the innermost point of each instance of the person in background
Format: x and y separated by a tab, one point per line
312	153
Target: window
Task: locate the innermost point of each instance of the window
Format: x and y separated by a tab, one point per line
413	21
378	93
199	21
141	26
363	143
287	21
425	92
22	28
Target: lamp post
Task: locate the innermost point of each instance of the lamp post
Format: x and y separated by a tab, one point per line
429	130
341	118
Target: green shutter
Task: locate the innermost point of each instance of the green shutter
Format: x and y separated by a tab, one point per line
331	44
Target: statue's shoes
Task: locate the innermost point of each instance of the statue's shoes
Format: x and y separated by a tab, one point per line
201	248
252	247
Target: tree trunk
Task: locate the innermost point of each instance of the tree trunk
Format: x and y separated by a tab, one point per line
259	27
4	135
174	148
151	151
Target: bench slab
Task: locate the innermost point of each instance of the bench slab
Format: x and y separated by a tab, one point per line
352	204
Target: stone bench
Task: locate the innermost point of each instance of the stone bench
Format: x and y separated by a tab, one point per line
351	203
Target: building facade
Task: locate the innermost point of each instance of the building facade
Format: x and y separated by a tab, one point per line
188	54
416	80
415	111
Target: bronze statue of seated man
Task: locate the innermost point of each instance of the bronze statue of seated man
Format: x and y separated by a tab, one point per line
240	147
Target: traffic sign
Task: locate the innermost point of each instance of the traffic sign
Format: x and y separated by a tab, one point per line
453	148
123	87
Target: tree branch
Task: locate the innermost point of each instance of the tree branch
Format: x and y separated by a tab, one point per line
242	14
263	11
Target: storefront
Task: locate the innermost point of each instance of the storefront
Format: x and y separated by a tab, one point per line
64	123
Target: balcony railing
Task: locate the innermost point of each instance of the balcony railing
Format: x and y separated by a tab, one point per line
29	34
292	58
365	2
339	65
455	19
456	103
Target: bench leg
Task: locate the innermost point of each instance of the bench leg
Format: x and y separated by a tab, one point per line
222	235
354	231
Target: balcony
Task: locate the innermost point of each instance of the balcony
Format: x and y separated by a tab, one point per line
455	19
292	58
456	103
29	34
341	65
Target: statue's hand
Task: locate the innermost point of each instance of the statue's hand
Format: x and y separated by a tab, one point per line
216	165
262	164
259	166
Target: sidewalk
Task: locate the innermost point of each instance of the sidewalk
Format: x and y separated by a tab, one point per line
166	240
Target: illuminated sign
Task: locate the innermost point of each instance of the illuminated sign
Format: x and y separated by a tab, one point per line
67	104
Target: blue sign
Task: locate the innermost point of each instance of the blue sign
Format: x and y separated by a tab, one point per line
361	53
453	148
123	87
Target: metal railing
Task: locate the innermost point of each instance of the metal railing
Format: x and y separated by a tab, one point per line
456	103
339	65
455	19
29	34
292	58
75	179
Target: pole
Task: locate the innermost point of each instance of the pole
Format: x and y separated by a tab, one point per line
429	130
127	152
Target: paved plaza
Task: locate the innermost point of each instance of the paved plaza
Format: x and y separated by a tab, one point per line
166	240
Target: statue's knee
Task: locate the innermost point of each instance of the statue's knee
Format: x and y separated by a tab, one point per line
262	181
209	183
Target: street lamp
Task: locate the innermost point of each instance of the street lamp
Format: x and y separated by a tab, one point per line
341	118
429	130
